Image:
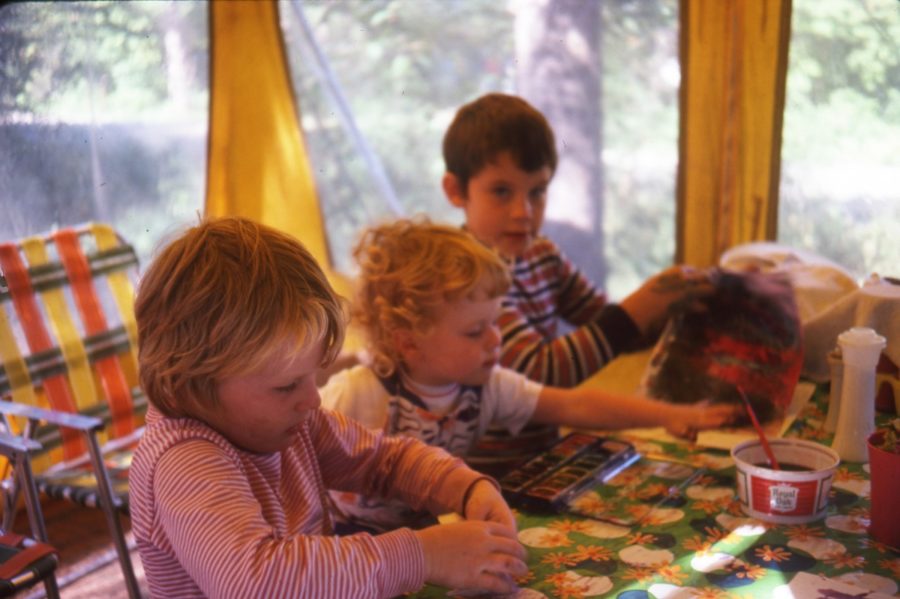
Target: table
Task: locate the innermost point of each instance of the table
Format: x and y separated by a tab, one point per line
701	544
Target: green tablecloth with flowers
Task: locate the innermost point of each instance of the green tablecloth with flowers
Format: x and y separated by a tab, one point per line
699	543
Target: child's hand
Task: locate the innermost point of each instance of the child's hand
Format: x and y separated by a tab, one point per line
685	421
649	305
473	555
486	503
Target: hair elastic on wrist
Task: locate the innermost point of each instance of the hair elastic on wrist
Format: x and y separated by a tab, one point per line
469	490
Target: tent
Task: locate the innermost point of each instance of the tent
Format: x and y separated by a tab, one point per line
734	62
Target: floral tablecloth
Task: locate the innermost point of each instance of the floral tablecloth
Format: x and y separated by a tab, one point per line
697	542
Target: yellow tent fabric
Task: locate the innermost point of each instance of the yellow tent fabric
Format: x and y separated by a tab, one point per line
257	165
734	65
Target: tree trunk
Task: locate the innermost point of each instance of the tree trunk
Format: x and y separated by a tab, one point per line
558	54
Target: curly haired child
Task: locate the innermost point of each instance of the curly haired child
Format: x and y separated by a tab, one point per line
428	300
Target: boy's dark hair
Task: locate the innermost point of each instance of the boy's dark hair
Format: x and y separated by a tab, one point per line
492	124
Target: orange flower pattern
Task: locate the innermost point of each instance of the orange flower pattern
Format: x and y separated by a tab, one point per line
769	554
803	532
891	564
671	573
843	474
744	570
566	566
570	525
595	553
558	560
844	560
639	574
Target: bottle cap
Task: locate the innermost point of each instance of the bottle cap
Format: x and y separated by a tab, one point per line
861	346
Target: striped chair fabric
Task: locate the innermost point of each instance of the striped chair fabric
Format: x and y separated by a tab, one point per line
68	346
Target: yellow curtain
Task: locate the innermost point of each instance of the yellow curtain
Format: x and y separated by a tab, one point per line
734	63
257	164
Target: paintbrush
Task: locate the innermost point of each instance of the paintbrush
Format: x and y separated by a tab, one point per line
671	493
759	431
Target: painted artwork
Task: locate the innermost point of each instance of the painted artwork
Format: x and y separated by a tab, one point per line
746	335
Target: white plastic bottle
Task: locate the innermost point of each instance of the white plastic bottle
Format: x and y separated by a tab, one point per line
860	349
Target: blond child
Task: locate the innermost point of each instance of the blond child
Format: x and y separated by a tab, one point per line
428	300
229	482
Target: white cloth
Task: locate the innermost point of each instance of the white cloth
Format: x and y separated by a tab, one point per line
875	305
818	282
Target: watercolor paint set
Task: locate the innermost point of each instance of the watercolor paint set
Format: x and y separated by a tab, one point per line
547	482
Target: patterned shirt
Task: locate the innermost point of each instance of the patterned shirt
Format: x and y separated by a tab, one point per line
213	520
547	289
507	400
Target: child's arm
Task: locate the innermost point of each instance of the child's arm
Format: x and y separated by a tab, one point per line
547	287
566	360
238	538
353	458
482	553
597	409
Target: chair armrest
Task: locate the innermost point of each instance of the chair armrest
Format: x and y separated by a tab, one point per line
76	421
11	444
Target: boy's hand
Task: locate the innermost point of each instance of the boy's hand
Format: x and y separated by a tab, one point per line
486	503
649	305
687	420
472	555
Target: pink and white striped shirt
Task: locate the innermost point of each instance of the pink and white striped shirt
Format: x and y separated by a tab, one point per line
213	520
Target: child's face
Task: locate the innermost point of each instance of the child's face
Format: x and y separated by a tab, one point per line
504	205
462	347
263	410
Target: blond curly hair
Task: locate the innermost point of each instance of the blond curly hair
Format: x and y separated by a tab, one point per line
408	270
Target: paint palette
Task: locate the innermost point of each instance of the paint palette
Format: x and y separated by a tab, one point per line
547	482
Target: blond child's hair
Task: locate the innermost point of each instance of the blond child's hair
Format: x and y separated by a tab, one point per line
492	124
408	269
218	301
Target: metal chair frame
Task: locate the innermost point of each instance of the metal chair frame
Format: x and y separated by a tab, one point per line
18	451
49	363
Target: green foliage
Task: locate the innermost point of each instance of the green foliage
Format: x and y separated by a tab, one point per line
842	133
890	437
404	68
90	128
640	128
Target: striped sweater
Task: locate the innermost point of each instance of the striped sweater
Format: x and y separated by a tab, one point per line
212	520
547	290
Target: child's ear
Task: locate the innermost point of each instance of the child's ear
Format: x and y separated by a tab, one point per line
453	190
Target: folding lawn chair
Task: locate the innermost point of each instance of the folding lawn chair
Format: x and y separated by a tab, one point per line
72	380
25	561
